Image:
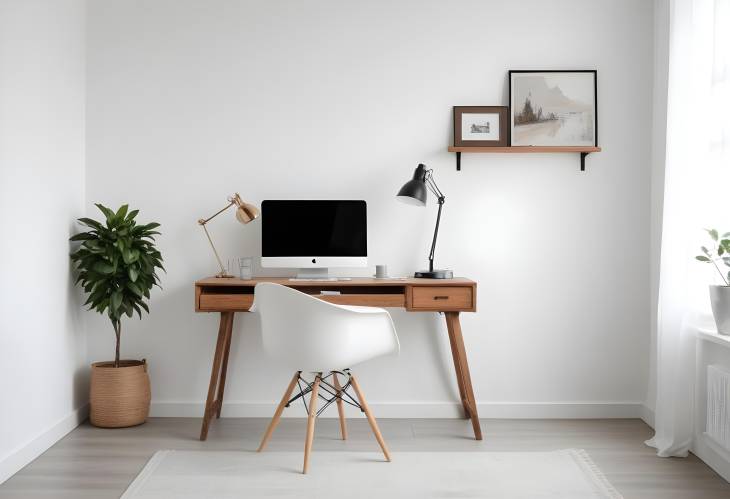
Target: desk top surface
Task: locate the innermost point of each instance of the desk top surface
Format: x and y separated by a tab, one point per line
355	281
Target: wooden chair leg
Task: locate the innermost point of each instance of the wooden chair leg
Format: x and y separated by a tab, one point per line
340	406
371	419
310	423
277	415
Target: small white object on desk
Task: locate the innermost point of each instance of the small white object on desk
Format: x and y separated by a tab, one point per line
381	273
328	293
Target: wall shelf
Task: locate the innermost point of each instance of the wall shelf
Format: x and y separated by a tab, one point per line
582	150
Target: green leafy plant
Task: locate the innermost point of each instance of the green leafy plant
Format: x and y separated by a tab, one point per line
720	252
117	263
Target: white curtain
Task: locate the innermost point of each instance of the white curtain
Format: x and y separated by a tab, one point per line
696	196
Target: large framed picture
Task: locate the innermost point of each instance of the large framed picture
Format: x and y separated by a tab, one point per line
481	126
553	108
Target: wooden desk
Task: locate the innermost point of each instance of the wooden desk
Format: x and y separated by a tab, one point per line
450	296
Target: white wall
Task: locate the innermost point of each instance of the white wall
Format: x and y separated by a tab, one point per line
42	342
190	101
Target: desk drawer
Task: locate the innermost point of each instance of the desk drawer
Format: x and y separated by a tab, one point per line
223	302
443	298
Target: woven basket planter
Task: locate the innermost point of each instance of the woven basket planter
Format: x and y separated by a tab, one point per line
120	396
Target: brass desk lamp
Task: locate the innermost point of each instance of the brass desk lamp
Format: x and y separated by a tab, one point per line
245	213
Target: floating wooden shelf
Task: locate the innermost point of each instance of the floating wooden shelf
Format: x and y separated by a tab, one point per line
583	150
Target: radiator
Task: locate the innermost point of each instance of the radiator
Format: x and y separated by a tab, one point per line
718	405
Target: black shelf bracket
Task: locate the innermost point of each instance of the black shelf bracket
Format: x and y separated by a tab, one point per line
583	161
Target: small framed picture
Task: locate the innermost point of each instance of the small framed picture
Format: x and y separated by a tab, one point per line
553	108
481	126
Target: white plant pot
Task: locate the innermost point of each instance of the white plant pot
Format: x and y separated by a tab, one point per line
720	301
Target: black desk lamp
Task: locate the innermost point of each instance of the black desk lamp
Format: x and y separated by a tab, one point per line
414	192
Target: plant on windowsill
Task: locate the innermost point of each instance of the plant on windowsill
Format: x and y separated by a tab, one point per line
117	263
719	294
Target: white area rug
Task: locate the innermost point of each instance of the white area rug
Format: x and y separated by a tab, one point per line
564	474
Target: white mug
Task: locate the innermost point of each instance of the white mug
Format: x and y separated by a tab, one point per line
381	271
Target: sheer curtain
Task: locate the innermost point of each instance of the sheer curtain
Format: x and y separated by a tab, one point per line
697	185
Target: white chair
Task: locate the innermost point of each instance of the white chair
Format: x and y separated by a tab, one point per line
311	335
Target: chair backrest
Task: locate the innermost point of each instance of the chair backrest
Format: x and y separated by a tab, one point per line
312	335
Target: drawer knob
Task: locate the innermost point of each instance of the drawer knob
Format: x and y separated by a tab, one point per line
438	297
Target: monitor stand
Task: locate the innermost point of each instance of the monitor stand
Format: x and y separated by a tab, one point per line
317	273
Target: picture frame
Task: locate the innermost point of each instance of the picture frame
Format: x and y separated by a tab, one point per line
481	126
553	107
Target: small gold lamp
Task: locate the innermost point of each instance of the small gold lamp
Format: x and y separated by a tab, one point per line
245	213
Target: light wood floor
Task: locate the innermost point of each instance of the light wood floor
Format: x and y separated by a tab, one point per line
98	464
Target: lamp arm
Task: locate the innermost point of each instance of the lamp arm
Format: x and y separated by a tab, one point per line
217	257
431	183
433	187
204	221
435	235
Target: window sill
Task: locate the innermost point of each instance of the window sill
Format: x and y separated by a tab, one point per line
713	336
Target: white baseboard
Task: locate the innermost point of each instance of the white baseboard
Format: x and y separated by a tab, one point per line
713	454
26	453
647	415
499	410
560	410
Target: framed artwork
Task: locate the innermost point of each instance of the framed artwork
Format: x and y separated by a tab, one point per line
481	126
553	108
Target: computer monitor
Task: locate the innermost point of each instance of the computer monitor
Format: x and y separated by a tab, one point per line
313	235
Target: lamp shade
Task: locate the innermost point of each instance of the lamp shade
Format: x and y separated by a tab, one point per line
414	191
245	212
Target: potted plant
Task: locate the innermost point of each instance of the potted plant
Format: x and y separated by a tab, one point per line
719	294
117	261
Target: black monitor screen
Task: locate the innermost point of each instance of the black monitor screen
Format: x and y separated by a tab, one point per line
314	228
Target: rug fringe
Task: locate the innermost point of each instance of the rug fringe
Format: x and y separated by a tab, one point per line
584	459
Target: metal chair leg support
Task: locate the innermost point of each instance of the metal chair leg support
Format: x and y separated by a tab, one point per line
333	393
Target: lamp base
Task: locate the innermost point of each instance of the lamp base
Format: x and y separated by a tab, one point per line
435	274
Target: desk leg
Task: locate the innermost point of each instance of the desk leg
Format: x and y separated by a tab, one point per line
463	378
210	403
224	366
